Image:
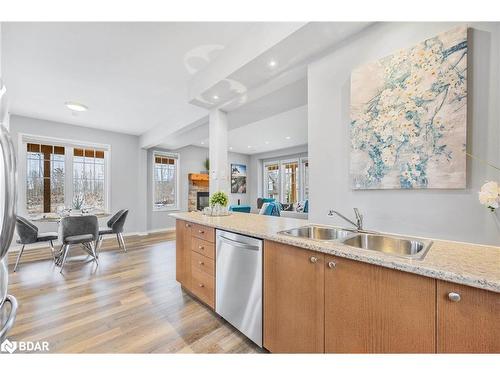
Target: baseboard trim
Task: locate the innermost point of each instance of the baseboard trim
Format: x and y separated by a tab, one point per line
17	247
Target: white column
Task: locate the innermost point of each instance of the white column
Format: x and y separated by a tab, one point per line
143	178
219	169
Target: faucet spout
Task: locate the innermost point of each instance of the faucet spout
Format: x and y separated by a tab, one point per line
359	218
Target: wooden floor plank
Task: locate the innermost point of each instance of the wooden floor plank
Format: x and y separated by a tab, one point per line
131	303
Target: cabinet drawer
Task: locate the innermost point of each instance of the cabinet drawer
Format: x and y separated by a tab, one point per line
202	286
203	232
202	263
203	247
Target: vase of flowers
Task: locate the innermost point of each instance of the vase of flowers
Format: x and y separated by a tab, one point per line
489	195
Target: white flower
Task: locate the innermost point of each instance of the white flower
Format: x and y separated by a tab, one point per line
388	156
415	159
489	195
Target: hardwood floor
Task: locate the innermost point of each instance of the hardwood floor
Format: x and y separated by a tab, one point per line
131	303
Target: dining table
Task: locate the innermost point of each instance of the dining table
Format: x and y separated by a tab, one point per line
56	218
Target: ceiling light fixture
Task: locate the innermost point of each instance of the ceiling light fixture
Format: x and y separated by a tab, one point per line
76	107
230	148
249	146
288	137
215	97
266	142
202	142
272	63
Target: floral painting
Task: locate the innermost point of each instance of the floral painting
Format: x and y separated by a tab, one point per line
408	117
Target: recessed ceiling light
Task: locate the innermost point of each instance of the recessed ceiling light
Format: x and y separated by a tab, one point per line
77	107
288	137
272	63
230	148
215	97
249	146
266	142
202	142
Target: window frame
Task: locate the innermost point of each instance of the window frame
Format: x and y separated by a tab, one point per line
281	179
177	157
69	145
265	178
283	163
302	171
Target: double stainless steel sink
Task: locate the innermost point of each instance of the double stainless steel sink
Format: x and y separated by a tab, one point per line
407	247
319	233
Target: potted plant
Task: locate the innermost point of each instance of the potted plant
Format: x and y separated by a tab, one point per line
218	202
78	201
206	165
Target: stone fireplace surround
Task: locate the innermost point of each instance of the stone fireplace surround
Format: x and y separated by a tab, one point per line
198	182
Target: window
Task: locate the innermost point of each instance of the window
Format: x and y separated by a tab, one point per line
88	177
165	181
291	182
44	178
60	174
286	180
305	178
271	180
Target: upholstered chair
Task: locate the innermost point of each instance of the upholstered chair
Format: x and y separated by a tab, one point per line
115	226
82	230
28	234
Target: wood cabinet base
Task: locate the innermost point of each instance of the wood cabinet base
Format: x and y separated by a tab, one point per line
469	321
371	309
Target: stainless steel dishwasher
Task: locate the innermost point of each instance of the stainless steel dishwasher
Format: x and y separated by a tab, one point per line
238	292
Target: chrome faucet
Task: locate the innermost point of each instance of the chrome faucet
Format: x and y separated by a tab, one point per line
359	218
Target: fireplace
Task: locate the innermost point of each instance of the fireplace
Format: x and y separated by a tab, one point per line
198	191
201	200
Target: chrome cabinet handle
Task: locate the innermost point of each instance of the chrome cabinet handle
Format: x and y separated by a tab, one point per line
454	297
12	316
313	259
201	247
201	231
188	225
201	285
10	197
201	263
332	264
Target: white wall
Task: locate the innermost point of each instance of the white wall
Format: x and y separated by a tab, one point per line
125	162
448	214
192	159
0	50
255	180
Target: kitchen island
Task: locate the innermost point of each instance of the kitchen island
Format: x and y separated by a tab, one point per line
330	297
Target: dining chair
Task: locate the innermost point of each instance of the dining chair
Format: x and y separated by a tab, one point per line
115	226
82	230
28	234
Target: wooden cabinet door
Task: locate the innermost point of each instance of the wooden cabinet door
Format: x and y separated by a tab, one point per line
293	299
183	253
372	309
467	321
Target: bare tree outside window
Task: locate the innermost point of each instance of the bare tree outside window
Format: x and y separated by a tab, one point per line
44	178
165	182
88	178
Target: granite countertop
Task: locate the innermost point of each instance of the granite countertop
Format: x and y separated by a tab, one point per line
462	263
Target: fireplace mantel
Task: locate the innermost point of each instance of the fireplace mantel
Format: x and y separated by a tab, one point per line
198	182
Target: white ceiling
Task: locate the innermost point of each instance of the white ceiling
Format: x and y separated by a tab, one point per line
245	117
132	76
284	130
